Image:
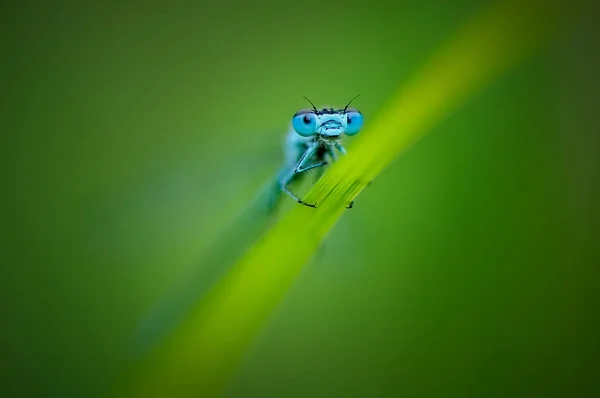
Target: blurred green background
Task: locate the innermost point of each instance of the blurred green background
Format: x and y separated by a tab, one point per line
132	134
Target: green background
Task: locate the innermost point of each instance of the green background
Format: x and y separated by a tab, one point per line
133	133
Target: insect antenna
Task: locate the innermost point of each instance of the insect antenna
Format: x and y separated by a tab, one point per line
346	107
313	105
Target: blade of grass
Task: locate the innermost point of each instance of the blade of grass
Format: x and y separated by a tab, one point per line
237	234
200	358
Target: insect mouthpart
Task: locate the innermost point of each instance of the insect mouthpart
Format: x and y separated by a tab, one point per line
331	129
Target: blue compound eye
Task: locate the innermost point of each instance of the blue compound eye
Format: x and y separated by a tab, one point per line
354	120
305	123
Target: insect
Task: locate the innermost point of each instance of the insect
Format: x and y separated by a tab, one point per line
314	141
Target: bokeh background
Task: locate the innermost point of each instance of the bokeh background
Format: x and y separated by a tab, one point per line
134	135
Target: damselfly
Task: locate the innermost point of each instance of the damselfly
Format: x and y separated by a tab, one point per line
314	140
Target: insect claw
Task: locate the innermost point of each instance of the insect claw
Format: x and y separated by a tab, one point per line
350	205
307	204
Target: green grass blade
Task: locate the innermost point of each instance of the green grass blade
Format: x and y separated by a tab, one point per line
200	358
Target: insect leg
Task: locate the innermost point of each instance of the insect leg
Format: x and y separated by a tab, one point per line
283	183
306	157
351	204
312	166
341	148
287	178
332	153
